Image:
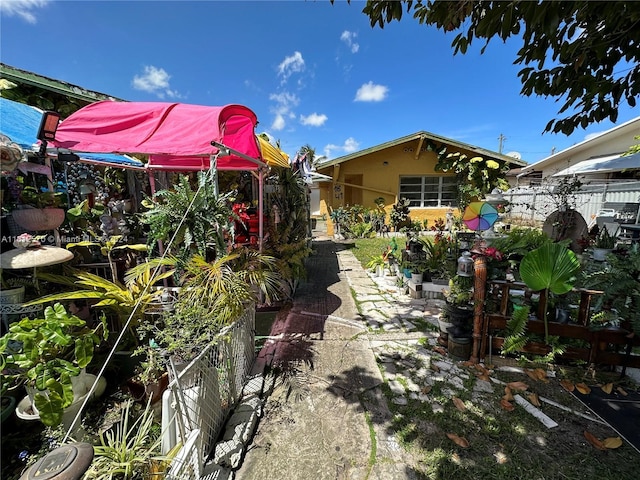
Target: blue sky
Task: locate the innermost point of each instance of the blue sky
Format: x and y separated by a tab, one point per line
314	73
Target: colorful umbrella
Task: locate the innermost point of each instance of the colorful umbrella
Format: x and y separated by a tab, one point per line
480	216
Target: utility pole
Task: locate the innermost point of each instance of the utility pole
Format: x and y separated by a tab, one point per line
501	140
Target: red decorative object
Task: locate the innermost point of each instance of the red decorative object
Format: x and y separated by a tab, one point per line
240	209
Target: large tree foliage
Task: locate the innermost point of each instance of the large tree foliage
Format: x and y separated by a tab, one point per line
583	53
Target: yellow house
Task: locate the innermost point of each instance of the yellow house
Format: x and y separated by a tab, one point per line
401	168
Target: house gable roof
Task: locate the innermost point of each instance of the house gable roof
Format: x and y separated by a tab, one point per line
632	126
425	136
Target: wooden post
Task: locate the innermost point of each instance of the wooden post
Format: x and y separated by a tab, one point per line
480	274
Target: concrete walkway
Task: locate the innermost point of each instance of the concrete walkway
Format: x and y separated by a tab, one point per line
328	418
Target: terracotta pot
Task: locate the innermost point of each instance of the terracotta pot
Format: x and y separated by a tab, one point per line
154	390
36	219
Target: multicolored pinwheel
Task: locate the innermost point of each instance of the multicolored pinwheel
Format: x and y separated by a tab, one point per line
480	216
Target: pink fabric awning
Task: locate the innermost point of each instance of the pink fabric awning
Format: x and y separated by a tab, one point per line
176	136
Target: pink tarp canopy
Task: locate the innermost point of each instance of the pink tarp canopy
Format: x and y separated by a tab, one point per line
176	136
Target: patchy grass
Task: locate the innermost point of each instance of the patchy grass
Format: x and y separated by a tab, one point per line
506	444
503	444
367	248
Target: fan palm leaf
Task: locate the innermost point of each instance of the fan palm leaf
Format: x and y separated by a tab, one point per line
551	267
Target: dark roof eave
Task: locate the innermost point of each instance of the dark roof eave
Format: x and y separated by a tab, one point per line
17	75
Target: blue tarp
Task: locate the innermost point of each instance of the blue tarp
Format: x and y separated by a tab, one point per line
20	123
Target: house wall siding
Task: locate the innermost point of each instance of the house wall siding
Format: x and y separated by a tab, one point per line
378	177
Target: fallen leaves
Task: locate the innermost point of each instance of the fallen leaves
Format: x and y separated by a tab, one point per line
608	388
518	386
440	350
459	404
567	385
460	441
506	405
508	395
612	442
537	374
481	372
607	443
591	438
583	388
534	399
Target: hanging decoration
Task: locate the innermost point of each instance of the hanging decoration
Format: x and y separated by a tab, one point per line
480	216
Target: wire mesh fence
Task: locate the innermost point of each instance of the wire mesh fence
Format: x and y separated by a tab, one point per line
201	395
535	204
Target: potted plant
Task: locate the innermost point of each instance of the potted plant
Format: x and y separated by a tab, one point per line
39	210
12	291
418	267
213	295
130	449
376	264
437	261
399	214
405	268
7	402
209	216
459	296
618	280
129	301
603	319
109	244
604	244
551	267
458	311
151	377
47	354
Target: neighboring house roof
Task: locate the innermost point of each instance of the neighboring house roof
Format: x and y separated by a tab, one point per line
515	162
49	85
587	149
604	164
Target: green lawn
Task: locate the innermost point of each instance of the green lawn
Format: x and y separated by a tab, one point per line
367	248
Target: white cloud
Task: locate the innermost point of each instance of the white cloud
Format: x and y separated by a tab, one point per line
348	38
292	64
315	119
22	8
155	80
278	123
284	102
350	145
369	92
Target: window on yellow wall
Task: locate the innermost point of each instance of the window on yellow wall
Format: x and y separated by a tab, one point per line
429	191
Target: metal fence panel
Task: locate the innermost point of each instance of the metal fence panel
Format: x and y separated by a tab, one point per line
536	203
204	392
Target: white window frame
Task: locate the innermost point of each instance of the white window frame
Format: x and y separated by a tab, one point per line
422	201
